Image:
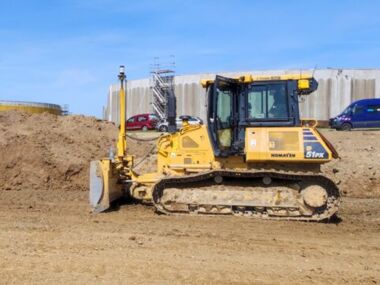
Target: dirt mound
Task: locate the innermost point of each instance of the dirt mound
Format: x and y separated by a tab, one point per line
47	152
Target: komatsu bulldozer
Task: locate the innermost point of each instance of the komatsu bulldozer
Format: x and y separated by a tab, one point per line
254	157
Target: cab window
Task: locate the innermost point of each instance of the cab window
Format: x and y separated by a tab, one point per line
358	110
224	108
223	118
347	111
266	102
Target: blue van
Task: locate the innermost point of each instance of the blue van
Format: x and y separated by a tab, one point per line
359	114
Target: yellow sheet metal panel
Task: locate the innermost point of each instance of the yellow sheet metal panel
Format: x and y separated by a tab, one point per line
285	144
188	149
303	84
250	78
31	107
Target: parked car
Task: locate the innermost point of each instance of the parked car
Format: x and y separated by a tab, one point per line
142	122
163	126
360	114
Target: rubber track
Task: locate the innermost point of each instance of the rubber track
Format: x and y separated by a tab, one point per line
328	211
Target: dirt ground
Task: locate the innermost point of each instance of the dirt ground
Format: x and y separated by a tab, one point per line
49	236
357	171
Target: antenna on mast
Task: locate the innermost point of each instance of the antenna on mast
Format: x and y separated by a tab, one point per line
315	68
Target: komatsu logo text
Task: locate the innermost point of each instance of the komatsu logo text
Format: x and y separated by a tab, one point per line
314	154
283	155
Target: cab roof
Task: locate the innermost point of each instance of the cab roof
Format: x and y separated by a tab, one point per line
249	78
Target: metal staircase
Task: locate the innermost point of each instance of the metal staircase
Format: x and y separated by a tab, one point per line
162	86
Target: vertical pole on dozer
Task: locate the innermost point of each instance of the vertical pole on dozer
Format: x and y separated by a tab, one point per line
122	142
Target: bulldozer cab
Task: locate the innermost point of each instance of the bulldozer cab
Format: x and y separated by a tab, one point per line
235	104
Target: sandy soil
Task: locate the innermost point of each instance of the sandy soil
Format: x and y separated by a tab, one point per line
49	236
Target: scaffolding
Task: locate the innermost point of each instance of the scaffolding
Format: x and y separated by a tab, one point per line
162	86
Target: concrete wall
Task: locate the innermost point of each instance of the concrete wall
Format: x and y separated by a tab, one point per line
337	88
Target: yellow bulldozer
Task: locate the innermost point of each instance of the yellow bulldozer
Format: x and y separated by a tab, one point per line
253	157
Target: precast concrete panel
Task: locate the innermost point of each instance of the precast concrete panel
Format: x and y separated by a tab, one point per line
179	97
363	88
337	89
341	96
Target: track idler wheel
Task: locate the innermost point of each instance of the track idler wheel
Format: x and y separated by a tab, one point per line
314	196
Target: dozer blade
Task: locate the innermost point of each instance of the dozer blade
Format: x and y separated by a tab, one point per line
104	188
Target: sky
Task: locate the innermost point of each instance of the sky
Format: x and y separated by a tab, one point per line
69	51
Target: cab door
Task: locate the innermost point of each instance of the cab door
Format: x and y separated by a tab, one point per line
222	114
359	116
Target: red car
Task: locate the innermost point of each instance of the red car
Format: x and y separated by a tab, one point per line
142	122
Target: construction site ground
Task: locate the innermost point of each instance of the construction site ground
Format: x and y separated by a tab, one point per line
49	236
